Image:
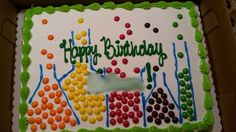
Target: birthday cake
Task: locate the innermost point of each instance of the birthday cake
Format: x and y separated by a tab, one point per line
115	67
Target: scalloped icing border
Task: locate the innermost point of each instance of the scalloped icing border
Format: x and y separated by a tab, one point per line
208	118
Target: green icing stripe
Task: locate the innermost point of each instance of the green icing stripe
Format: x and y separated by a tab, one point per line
26	48
208	101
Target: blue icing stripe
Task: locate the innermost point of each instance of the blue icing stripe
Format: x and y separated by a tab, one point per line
39	83
89	37
177	80
72	38
59	83
144	109
141	73
191	83
66	74
168	89
90	56
107	111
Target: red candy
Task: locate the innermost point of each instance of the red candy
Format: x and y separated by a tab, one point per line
117	70
118	105
109	70
136	70
113	122
125	116
135	120
130	103
124	93
118	97
119	120
130	96
112	106
111	99
127	25
122	37
129	32
136	100
112	114
125	108
139	114
116	18
136	108
122	75
113	94
126	124
136	93
131	114
124	101
125	61
118	112
114	62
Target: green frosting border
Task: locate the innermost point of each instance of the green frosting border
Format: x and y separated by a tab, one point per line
208	118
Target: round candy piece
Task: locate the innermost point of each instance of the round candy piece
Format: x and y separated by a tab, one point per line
126	123
116	18
118	97
109	70
183	98
119	119
112	114
127	25
124	94
137	100
185	70
160	90
118	112
114	62
150	119
175	120
135	108
99	71
147	25
185	115
180	16
118	105
50	37
113	94
124	101
130	96
125	116
125	108
155	68
155	94
175	24
158	121
112	122
44	21
157	107
161	116
130	103
181	75
135	120
149	86
180	37
167	120
43	51
125	61
155	30
151	101
158	100
136	70
122	36
111	99
165	102
80	20
154	114
129	32
189	102
164	109
149	108
122	75
92	120
163	95
131	114
171	106
171	114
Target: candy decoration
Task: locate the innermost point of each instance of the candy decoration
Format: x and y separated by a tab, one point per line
80	20
77	37
44	21
50	37
50	56
122	75
49	66
109	70
129	32
117	70
125	61
127	25
147	25
114	62
136	70
122	36
155	30
116	18
43	51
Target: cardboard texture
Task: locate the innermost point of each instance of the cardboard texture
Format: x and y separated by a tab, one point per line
221	46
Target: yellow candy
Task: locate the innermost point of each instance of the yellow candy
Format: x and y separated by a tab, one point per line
84	81
85	104
83	33
95	97
101	97
99	117
80	20
89	98
73	75
78	71
84	41
92	104
67	81
84	117
77	106
80	85
77	92
77	64
71	88
84	66
76	99
83	91
71	96
77	37
89	111
65	87
97	111
103	108
98	103
81	97
74	82
82	110
92	120
79	77
85	72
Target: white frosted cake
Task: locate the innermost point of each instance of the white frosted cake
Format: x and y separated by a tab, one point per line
115	67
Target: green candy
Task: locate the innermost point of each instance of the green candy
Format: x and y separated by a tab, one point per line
184	107
117	41
189	95
186	78
99	71
185	71
191	117
180	75
175	24
180	16
185	115
187	86
183	91
149	86
181	83
189	102
183	98
190	110
180	55
180	37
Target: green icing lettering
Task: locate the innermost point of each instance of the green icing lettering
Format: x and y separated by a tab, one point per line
175	4
188	127
198	35
78	7
206	83
49	9
23	108
189	5
126	5
93	6
24	93
109	5
25	62
161	4
144	5
194	22
24	77
204	67
23	124
202	53
208	101
193	13
173	129
25	49
208	118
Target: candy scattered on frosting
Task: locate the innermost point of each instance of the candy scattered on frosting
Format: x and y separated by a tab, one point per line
116	18
80	20
44	21
50	37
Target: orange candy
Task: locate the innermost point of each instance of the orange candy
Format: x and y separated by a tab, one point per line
44	100
54	127
68	112
31	120
43	126
50	55
47	88
44	51
45	115
58	93
33	128
38	111
50	106
53	112
54	86
43	106
40	93
58	118
72	122
34	104
59	110
63	103
30	112
61	125
66	119
44	21
57	100
50	37
45	80
49	66
51	95
38	120
50	120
